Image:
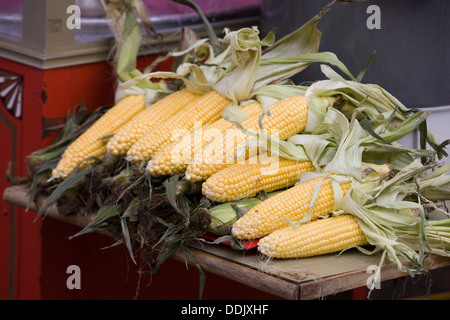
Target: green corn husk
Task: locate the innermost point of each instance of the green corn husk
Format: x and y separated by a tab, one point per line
295	52
352	116
370	100
125	19
225	214
236	69
215	43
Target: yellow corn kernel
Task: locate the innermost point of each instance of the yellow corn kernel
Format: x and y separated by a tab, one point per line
287	117
206	109
261	173
175	157
293	203
318	237
90	143
145	120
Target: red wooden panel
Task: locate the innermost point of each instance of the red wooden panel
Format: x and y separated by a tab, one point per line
6	214
21	133
94	84
28	265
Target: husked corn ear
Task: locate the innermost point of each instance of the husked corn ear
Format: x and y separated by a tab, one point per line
261	173
288	117
151	116
175	157
206	109
90	143
318	237
293	203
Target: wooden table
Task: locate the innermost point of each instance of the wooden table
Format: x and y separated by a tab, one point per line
296	279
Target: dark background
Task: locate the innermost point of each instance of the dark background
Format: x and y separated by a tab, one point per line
412	59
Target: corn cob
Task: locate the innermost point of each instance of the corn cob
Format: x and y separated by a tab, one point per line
151	116
318	237
225	214
264	173
91	142
206	109
287	118
293	203
175	157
